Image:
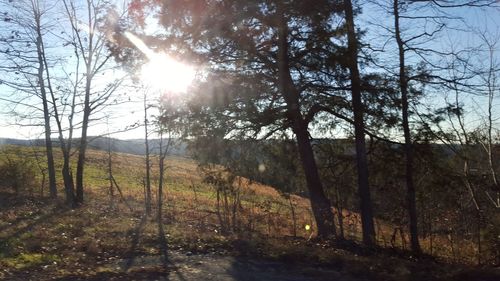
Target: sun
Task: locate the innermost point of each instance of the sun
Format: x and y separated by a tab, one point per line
164	73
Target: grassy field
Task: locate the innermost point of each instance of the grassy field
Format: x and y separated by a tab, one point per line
42	238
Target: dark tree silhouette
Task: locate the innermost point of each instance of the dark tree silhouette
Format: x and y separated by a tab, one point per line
359	130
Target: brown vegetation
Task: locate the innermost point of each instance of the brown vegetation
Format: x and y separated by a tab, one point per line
39	238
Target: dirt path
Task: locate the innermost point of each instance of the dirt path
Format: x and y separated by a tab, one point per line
180	266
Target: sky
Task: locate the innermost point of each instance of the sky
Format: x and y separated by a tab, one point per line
121	115
131	112
457	37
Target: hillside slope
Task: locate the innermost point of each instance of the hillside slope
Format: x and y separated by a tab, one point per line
250	226
129	146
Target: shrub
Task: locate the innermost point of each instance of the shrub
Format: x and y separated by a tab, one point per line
17	173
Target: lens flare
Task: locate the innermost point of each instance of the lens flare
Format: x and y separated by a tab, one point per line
162	72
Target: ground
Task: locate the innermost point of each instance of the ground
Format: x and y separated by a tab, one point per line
62	244
42	239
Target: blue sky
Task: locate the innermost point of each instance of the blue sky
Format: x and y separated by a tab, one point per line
487	20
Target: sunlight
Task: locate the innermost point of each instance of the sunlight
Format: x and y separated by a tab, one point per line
163	72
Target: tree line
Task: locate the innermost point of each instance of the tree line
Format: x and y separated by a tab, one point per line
52	57
292	69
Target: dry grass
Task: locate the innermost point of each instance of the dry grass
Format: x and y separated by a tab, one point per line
264	209
39	237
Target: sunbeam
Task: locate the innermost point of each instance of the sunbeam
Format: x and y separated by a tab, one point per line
162	72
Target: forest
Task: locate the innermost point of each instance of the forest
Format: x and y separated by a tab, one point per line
249	140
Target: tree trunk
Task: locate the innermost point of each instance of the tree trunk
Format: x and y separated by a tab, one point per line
294	218
46	114
340	216
50	155
65	149
479	250
83	141
357	106
408	146
160	191
110	174
148	161
320	204
161	165
68	182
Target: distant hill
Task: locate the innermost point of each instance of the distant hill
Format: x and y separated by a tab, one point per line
133	146
179	148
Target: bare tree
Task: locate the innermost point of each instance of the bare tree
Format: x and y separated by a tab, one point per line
425	21
25	56
489	77
169	125
90	43
165	144
408	144
147	180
